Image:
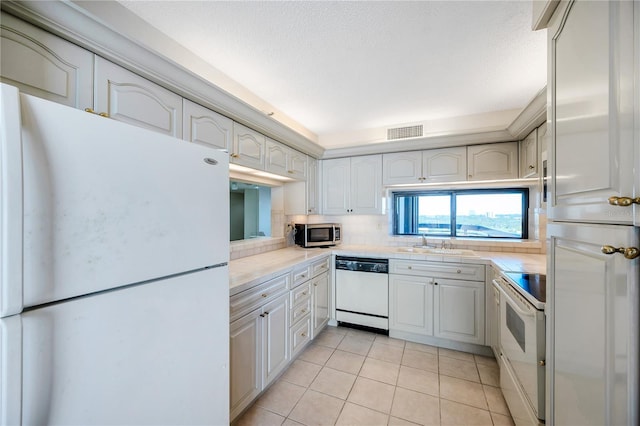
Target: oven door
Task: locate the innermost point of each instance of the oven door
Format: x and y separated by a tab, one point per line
522	344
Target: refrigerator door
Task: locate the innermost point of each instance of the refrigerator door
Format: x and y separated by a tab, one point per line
107	204
592	325
146	354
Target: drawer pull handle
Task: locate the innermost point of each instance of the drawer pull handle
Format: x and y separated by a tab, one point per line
304	334
623	201
266	313
264	295
262	315
303	276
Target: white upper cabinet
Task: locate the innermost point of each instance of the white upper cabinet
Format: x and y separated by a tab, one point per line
43	65
493	161
400	168
352	185
529	155
282	160
249	147
297	165
434	165
313	192
129	98
203	126
591	83
277	159
444	165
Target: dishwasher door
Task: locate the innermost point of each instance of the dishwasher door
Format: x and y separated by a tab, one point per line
362	298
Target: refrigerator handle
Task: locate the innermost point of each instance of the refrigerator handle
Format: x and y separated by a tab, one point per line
11	370
11	198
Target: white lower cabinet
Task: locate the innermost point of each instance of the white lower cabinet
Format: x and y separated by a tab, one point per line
459	310
271	324
320	288
410	304
246	361
426	300
259	339
275	343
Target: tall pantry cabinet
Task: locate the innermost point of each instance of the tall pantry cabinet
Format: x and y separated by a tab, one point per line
593	269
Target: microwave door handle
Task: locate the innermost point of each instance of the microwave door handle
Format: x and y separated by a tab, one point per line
512	302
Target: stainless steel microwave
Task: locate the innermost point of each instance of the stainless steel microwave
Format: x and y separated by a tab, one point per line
317	234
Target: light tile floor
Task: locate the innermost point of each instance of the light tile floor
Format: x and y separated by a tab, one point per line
351	377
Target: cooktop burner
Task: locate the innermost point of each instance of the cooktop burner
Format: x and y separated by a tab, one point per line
533	284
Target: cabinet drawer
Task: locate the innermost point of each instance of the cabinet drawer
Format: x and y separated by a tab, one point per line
255	297
320	266
300	310
299	335
300	275
301	292
459	271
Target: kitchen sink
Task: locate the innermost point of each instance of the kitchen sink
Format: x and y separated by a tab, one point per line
432	250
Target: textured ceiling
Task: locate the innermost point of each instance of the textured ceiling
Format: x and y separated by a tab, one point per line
344	66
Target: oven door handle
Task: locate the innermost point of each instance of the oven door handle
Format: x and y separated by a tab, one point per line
511	301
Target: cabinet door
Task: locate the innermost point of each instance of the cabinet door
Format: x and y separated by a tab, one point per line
493	161
366	184
529	155
203	126
320	311
276	334
401	168
248	147
132	99
336	189
411	304
297	165
277	158
245	347
43	65
459	310
591	85
313	205
592	325
444	165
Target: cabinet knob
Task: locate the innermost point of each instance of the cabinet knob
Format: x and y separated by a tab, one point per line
315	284
264	294
234	156
459	271
531	167
542	363
304	334
623	201
304	293
303	311
435	283
628	252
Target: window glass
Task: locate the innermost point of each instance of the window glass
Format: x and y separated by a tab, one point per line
491	213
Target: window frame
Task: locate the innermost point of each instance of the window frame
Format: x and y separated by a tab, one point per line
453	225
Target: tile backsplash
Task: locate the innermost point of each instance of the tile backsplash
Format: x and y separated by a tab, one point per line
375	230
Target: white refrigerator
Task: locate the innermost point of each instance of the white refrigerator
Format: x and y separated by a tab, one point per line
114	278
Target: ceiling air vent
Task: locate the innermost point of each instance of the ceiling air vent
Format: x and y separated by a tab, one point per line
404	132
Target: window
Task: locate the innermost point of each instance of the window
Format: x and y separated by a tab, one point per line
480	213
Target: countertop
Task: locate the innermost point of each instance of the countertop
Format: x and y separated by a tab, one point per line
249	271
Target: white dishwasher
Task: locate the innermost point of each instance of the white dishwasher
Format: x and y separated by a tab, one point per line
362	292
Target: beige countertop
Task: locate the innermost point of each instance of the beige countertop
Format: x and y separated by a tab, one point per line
249	271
